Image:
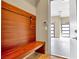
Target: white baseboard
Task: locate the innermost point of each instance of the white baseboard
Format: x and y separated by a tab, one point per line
60	56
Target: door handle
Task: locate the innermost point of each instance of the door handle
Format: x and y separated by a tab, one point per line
74	38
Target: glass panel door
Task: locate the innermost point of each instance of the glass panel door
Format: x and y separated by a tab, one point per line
60	28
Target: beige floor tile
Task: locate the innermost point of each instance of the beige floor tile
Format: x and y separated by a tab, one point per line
43	56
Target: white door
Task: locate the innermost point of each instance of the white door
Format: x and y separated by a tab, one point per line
59	12
73	30
66	48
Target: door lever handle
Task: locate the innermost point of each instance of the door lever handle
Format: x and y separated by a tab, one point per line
74	38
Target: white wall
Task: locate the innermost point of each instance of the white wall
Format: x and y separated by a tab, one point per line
42	14
22	4
33	2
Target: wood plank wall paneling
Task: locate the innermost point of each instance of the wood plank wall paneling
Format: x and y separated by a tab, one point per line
17	28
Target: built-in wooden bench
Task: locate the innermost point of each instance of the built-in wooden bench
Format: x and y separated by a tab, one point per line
18	33
16	52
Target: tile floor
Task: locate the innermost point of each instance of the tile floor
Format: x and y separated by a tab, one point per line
43	56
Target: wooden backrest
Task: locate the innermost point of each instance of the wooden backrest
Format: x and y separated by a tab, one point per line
18	27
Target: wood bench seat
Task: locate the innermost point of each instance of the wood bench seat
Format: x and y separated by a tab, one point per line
17	51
